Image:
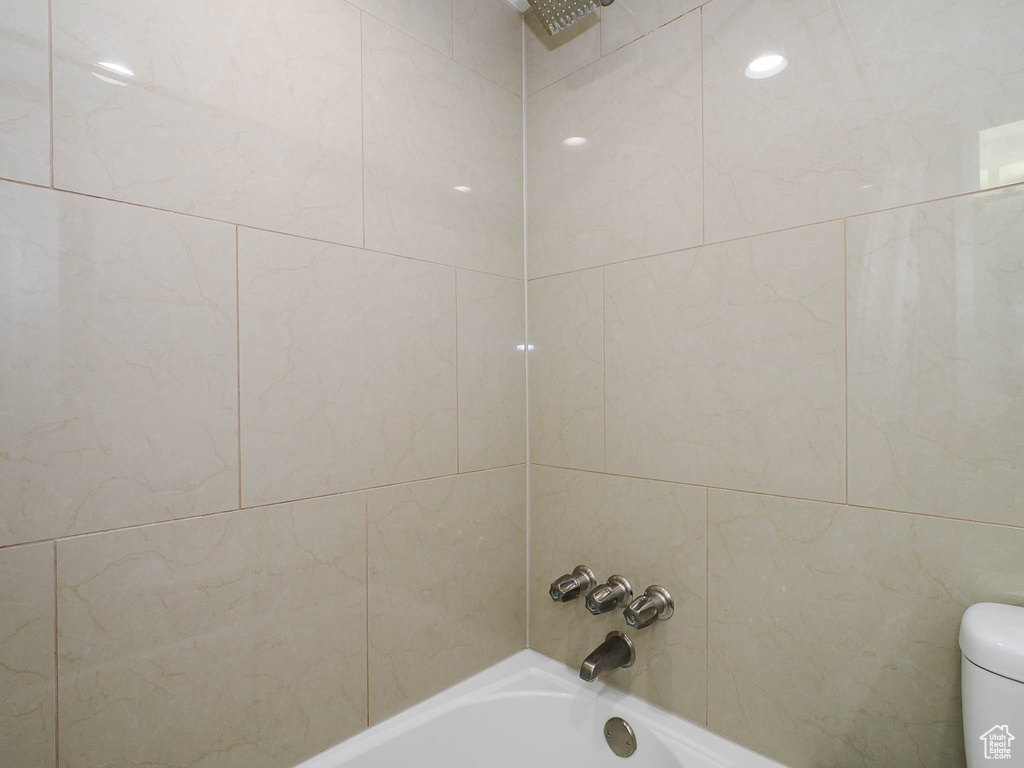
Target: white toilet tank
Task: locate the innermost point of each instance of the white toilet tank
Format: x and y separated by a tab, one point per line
992	646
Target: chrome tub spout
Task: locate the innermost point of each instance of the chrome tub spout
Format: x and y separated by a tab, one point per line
616	652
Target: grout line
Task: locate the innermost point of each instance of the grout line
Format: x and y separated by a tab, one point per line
362	117
458	425
440	53
56	666
602	54
252	227
786	498
707	604
809	225
526	329
255	507
604	370
703	129
846	357
366	584
238	355
49	44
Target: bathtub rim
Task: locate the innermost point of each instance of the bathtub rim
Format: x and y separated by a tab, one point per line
530	673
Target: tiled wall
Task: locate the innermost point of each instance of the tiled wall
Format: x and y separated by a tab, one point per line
261	397
779	354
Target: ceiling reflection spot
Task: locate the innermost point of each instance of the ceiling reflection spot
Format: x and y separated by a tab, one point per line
768	65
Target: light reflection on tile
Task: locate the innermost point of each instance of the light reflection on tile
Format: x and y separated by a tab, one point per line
881	105
492	372
25	95
937	358
444	158
244	112
119	403
634	189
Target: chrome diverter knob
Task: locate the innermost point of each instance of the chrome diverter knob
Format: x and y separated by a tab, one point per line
653	605
607	597
572	585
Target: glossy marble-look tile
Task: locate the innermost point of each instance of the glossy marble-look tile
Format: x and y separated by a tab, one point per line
649	532
27	681
119	398
492	371
246	112
489	40
550	58
348	368
634	188
881	105
567	370
25	95
936	361
447	583
229	641
444	158
624	21
726	365
833	631
429	21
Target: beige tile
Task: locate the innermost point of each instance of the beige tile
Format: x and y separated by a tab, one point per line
27	684
936	362
550	58
431	126
626	20
246	112
634	189
871	112
726	365
567	370
227	641
492	371
489	40
833	631
119	404
447	583
348	368
649	532
25	97
429	21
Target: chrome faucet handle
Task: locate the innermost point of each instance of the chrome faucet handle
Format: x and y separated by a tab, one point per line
607	597
572	585
653	605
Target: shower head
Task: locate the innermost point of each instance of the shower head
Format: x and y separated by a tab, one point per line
561	14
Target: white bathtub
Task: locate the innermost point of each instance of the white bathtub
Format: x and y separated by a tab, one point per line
532	711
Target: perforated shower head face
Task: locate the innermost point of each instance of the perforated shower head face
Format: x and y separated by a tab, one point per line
561	14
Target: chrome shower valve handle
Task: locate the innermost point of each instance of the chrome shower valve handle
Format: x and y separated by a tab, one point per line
607	597
572	585
655	604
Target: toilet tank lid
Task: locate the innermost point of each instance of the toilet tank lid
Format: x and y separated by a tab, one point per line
992	637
